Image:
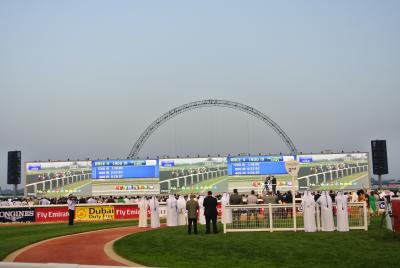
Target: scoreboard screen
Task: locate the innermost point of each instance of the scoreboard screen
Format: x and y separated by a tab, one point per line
257	165
124	169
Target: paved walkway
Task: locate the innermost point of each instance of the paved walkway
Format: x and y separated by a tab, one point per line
91	248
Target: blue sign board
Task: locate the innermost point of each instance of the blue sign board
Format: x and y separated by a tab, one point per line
256	165
305	159
125	169
35	167
167	163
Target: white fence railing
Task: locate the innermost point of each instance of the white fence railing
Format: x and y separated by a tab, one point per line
195	177
338	172
279	217
58	182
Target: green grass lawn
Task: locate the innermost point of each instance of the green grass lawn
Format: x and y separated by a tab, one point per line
172	247
17	236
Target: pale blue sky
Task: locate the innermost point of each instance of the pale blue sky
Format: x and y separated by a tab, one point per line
84	78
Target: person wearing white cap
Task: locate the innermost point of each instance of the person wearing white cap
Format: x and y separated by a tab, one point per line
154	210
226	216
308	204
181	204
325	201
202	218
342	213
143	212
172	215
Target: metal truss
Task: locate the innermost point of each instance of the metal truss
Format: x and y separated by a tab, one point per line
210	103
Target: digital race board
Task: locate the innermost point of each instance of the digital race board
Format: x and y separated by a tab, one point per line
124	169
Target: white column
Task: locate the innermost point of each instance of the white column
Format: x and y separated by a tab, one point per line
365	216
271	223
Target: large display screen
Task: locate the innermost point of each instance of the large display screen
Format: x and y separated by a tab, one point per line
345	171
58	178
125	177
123	169
193	175
257	165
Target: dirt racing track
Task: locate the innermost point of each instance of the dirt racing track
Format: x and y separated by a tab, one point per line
90	248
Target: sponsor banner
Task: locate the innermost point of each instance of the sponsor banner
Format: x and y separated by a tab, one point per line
51	214
17	214
127	212
94	213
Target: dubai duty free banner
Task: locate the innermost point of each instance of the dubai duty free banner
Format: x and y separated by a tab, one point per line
23	214
94	213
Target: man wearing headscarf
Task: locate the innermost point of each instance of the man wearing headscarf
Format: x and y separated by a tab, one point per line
154	210
342	213
325	203
202	218
143	212
172	215
181	204
308	204
226	216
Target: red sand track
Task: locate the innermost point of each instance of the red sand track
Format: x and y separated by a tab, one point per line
84	248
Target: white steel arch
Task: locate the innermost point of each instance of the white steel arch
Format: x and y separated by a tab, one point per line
210	103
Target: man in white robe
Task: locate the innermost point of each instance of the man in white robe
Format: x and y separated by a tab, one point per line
181	204
226	216
325	202
172	215
308	205
388	214
202	218
155	213
342	215
143	212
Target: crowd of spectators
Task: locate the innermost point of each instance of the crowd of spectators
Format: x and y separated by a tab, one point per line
372	198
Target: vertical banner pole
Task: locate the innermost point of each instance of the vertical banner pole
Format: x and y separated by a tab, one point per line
294	204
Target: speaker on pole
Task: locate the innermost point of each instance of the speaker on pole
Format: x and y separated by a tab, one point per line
14	167
379	157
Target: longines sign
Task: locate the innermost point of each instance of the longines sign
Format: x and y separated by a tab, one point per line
17	214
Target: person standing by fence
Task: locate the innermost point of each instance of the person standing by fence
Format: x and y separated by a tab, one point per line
235	199
252	200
